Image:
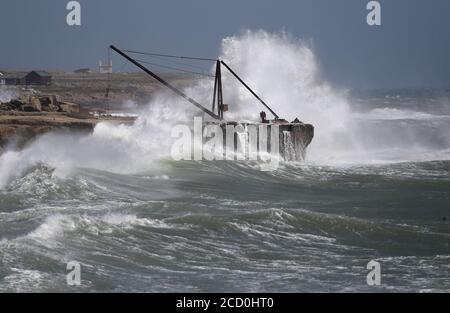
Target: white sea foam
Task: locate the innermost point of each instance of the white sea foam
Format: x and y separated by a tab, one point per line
397	114
130	220
52	227
7	93
23	280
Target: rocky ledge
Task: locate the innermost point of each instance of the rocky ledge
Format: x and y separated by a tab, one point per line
18	128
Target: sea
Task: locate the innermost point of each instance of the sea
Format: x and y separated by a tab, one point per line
374	189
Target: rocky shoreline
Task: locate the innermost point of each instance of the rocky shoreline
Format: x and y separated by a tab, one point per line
20	128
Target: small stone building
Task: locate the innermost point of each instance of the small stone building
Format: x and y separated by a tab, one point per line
12	78
37	78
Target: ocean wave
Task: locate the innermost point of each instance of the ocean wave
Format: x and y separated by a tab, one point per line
390	113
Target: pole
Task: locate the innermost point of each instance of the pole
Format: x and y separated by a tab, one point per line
215	89
219	92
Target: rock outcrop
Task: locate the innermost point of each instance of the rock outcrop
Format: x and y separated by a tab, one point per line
39	103
19	128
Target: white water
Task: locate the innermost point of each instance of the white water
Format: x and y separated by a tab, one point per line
282	69
7	93
290	151
398	114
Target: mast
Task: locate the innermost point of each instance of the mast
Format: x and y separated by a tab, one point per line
218	91
215	87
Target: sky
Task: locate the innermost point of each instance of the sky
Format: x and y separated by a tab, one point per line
410	49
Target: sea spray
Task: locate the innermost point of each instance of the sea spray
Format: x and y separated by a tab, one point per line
284	71
7	93
116	148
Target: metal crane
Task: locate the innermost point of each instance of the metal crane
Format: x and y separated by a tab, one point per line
217	94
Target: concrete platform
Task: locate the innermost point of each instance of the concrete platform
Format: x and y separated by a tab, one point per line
293	138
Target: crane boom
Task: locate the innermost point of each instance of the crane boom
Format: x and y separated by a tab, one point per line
162	81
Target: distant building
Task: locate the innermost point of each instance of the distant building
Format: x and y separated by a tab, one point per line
105	68
13	78
37	78
24	78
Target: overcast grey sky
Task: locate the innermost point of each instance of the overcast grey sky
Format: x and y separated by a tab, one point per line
411	48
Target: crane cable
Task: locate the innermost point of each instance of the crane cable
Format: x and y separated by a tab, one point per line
175	68
170	56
